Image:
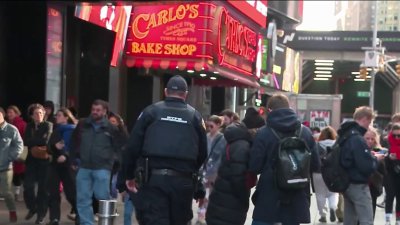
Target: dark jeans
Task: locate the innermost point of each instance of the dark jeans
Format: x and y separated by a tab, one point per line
60	173
36	172
392	188
165	200
17	179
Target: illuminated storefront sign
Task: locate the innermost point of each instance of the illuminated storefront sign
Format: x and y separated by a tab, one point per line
202	31
235	44
174	31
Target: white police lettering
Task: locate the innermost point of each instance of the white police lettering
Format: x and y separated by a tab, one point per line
140	115
174	119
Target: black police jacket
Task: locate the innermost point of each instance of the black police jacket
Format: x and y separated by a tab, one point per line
171	134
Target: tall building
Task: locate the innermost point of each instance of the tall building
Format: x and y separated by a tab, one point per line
388	15
354	15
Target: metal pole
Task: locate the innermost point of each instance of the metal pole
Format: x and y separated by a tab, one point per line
373	72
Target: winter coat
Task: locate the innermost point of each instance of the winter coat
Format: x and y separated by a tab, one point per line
11	145
215	152
229	200
356	156
271	203
20	124
37	137
323	148
62	132
95	148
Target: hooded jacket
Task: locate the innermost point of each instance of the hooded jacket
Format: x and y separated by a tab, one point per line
323	148
356	156
229	200
272	204
11	145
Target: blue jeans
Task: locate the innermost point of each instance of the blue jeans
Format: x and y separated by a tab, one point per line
128	210
89	182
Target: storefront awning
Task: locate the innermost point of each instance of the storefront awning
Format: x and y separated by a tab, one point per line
196	65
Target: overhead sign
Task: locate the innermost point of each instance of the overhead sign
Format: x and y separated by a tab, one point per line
338	40
256	10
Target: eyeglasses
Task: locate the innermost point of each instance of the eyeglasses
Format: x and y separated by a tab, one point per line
210	126
396	135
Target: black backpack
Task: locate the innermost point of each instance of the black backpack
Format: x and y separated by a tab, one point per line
333	173
292	164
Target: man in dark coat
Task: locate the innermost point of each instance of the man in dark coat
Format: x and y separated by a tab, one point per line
273	205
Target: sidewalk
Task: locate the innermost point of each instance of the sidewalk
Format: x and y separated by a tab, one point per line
21	211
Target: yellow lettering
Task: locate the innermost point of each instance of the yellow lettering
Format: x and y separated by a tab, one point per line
152	22
162	17
178	49
135	47
194	11
158	48
171	16
180	12
135	28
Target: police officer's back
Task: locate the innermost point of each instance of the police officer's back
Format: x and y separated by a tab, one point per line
169	144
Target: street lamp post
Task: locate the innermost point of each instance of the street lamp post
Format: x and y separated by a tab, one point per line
373	71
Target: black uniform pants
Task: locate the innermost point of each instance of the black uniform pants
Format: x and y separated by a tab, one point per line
165	200
60	173
36	172
392	189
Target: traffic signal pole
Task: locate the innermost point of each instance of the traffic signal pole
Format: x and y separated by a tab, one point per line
373	71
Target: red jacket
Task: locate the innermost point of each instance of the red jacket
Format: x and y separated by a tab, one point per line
394	145
19	167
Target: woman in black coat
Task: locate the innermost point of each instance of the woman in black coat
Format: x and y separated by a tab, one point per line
229	201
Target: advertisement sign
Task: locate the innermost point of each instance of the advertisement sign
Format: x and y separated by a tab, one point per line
338	40
256	10
234	43
320	118
111	17
54	48
173	31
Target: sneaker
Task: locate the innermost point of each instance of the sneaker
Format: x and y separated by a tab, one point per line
332	216
71	216
13	217
54	222
30	214
340	220
39	221
322	219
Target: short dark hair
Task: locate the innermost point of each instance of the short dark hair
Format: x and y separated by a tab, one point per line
395	126
34	107
278	101
103	103
231	114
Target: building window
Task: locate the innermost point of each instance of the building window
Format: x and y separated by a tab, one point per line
395	17
395	28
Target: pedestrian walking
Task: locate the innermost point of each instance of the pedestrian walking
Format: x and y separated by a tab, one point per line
273	203
326	139
60	170
169	143
11	145
95	144
14	118
36	138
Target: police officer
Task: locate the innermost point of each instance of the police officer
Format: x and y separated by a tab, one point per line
170	136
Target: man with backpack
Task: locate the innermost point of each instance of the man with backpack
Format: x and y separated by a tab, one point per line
284	153
357	160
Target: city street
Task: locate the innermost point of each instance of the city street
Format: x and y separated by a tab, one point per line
379	220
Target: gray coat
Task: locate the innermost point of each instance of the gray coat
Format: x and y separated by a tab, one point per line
11	145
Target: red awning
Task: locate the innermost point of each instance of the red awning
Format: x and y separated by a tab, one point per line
197	65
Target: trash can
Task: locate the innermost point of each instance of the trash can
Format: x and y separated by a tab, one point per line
107	212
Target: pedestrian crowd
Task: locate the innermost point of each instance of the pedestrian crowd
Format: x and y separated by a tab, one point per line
173	156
